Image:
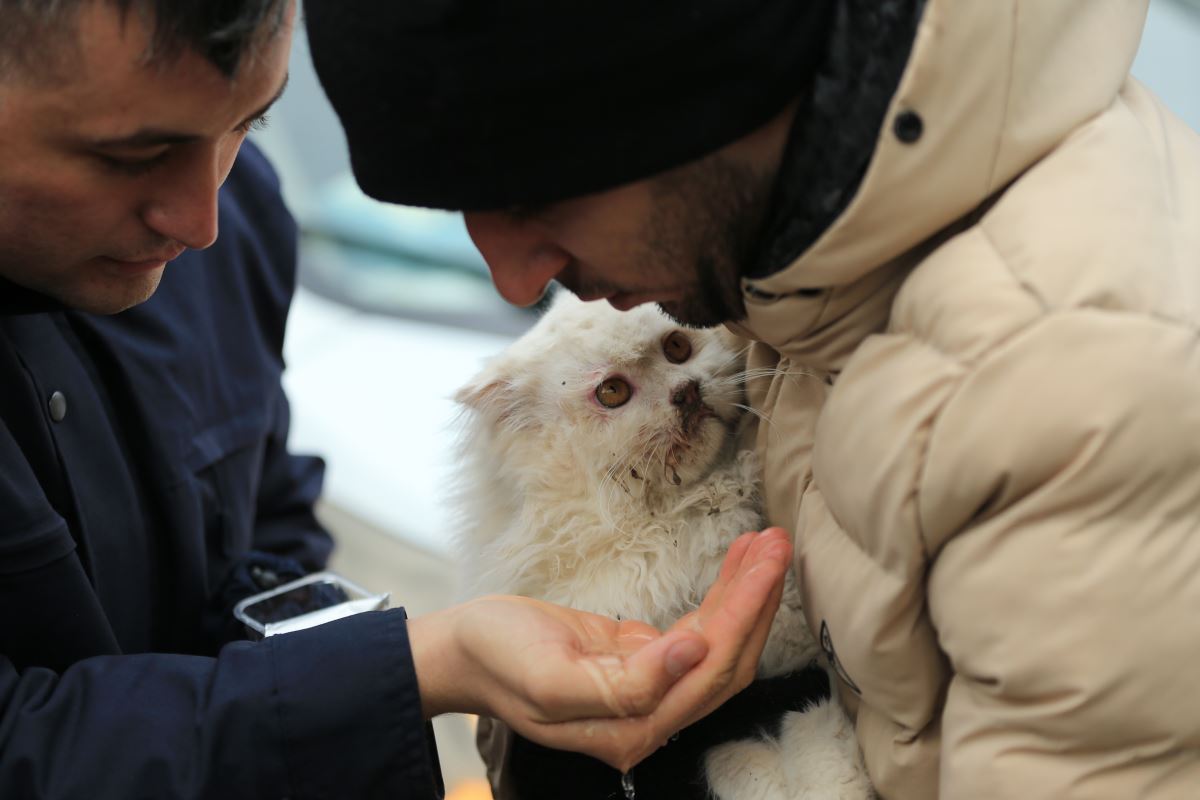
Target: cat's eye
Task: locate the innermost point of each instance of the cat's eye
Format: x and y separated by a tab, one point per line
677	347
613	393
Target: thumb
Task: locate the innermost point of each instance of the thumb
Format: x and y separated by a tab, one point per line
683	654
647	675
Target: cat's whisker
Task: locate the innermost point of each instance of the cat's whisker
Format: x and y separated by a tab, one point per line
657	458
655	455
611	485
739	378
648	455
738	356
749	410
611	473
764	372
750	375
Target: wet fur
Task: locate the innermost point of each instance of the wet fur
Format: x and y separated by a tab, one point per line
628	511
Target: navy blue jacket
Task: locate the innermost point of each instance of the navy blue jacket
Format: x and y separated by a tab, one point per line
143	472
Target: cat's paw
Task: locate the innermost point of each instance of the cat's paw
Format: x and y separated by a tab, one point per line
820	755
746	769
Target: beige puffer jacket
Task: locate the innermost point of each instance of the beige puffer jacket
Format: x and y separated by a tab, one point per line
986	433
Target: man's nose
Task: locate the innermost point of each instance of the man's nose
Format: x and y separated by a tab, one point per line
185	208
523	259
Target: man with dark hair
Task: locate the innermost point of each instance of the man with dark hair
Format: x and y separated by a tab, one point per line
966	246
145	483
38	35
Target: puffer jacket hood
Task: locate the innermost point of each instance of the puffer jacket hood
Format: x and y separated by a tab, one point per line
983	413
989	88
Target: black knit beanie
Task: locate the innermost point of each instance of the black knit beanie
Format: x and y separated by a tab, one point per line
486	104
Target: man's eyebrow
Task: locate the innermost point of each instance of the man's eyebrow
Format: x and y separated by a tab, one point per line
151	137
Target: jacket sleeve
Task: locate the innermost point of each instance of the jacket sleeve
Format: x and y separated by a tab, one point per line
1061	499
328	712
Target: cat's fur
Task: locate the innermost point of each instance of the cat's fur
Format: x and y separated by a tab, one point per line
628	511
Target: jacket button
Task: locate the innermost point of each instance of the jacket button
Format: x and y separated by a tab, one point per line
58	406
908	126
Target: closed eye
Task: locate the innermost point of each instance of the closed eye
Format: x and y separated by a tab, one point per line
261	122
131	165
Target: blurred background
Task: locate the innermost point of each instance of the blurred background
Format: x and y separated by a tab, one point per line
395	311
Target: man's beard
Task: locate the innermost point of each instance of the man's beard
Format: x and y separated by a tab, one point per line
717	297
709	215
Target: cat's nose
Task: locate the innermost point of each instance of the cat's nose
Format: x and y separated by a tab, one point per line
686	396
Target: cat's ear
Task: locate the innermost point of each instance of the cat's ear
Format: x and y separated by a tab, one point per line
495	393
483	392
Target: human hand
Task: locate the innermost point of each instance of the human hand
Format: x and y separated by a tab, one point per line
613	690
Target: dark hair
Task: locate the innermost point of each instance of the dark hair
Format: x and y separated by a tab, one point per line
220	30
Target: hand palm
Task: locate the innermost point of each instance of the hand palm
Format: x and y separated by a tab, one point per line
583	682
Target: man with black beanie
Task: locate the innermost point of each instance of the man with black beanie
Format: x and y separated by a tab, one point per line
964	243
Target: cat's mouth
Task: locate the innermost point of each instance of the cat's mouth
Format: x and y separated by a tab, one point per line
690	421
680	456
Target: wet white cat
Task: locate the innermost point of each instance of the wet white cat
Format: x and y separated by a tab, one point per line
601	472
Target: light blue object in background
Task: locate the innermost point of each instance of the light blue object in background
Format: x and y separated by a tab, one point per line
342	212
1169	58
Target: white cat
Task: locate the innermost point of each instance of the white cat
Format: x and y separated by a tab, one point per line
601	472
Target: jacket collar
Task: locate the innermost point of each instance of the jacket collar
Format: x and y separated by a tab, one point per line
16	300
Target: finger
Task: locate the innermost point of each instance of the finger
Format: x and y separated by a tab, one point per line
730	565
635	685
646	675
759	574
739	569
737	621
746	657
736	629
734	555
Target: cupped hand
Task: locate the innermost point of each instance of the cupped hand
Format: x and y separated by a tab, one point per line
615	690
